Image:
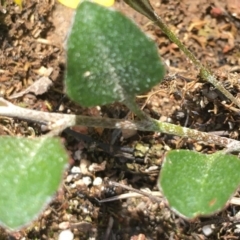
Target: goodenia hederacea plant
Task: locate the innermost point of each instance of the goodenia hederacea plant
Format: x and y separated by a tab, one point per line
30	173
108	58
197	184
191	182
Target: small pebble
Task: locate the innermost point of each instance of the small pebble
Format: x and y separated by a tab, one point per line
87	180
61	108
75	170
85	210
63	225
66	235
47	212
69	178
237	229
73	185
77	155
207	230
163	118
97	181
169	120
75	203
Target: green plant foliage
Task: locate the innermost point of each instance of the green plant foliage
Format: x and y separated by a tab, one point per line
30	173
144	7
196	184
108	57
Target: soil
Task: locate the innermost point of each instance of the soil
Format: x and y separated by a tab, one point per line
32	46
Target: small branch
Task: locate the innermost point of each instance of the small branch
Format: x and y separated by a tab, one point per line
54	120
131	195
144	193
50	119
109	228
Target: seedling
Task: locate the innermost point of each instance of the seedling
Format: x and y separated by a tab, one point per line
109	59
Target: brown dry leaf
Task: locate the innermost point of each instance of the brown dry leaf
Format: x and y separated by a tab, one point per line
38	87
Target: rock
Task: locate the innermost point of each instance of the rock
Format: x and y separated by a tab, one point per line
75	170
66	235
97	181
207	230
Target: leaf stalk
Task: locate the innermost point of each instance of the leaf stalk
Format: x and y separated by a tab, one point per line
144	7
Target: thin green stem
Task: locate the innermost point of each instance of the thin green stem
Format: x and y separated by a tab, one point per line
133	107
145	8
61	121
204	72
153	125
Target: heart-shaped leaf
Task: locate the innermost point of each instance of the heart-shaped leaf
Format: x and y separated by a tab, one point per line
108	57
30	173
196	184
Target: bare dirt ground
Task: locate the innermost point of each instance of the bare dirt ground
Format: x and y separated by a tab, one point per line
32	46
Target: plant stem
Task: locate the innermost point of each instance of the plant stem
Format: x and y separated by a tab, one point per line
133	107
204	72
145	8
68	120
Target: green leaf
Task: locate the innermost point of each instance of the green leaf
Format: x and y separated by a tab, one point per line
144	7
30	173
196	184
108	57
